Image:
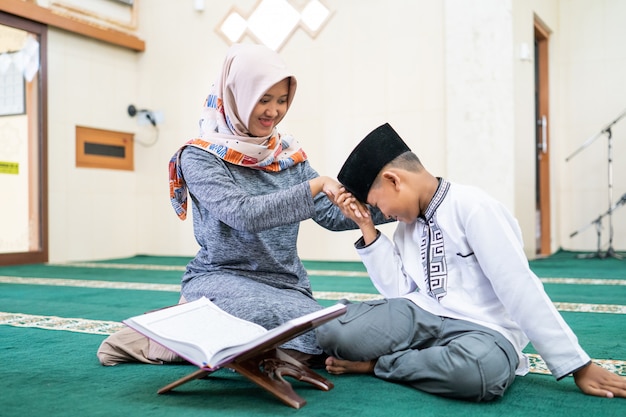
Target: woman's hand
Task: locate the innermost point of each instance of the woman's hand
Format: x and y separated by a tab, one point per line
327	185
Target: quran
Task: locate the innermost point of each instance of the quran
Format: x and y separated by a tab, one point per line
210	338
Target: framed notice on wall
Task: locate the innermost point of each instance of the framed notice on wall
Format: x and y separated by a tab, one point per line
12	96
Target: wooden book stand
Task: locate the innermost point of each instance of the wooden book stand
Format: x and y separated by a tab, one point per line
267	369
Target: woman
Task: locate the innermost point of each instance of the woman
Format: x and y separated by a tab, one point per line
250	188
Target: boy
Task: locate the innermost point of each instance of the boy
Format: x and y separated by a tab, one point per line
461	302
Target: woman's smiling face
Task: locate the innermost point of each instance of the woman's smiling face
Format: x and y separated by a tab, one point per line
269	110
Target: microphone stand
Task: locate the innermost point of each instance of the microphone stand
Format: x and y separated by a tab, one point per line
610	253
598	224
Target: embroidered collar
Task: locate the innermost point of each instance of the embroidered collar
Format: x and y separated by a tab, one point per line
437	199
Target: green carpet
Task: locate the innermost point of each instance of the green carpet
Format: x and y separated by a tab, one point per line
54	372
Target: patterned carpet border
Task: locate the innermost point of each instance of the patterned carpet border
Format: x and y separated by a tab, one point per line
67	282
322	272
60	323
320	295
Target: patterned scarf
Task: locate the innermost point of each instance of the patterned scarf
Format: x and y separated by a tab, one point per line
248	72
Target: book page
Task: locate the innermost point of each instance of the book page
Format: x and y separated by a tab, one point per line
198	326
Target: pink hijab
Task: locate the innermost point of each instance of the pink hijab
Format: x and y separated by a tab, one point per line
247	73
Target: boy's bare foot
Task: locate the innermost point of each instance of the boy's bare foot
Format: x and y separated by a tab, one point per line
340	366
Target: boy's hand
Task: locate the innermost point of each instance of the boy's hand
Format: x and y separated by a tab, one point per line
355	211
352	208
358	213
595	380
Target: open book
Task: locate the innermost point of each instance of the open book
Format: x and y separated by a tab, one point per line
207	336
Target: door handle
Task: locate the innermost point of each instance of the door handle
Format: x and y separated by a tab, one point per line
543	146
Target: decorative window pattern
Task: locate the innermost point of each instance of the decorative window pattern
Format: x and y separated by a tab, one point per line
272	22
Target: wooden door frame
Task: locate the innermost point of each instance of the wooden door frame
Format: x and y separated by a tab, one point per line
541	35
40	121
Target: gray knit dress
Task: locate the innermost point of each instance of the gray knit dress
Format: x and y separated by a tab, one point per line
246	222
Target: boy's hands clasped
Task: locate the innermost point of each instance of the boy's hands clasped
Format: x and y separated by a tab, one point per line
352	208
355	211
347	203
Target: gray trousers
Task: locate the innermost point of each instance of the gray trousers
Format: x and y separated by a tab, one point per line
443	356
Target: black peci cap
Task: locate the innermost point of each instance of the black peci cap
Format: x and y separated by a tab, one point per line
362	166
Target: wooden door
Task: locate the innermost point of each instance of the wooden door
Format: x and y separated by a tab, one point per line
23	169
542	140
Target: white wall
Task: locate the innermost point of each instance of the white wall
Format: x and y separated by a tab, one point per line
479	95
591	73
444	74
92	212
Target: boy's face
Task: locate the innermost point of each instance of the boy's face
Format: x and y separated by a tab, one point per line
390	196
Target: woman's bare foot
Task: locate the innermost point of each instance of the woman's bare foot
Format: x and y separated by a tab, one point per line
340	366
